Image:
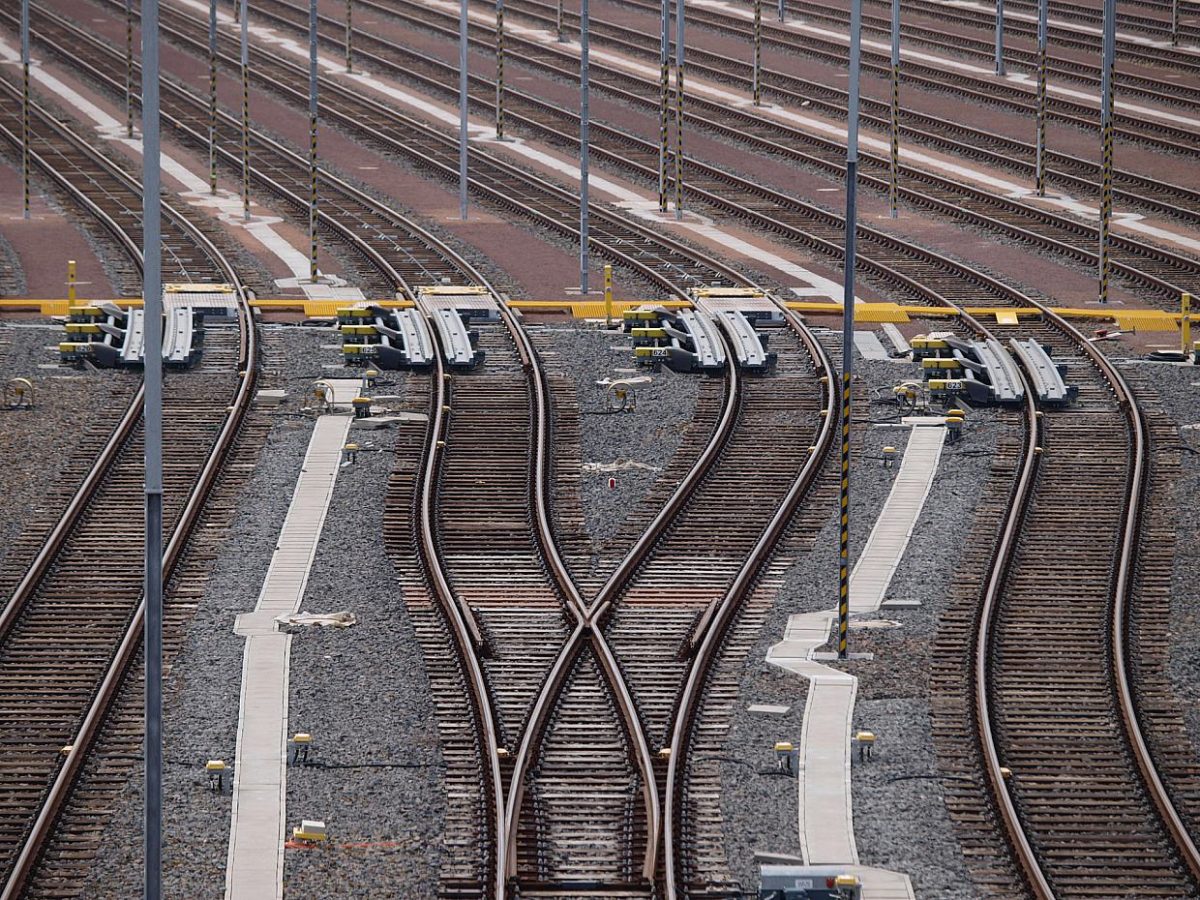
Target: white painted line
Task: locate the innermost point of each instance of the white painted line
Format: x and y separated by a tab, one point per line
254	869
194	189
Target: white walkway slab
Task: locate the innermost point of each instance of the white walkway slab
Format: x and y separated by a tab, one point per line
255	866
826	813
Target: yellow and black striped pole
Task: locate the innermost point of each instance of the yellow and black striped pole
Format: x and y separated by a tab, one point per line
757	88
1185	324
679	140
129	68
212	96
25	108
664	105
349	35
1043	15
894	170
850	261
679	48
245	113
312	139
608	310
499	70
1106	128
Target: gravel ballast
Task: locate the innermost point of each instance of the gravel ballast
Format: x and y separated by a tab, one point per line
900	821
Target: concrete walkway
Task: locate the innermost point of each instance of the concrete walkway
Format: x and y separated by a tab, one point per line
825	807
255	867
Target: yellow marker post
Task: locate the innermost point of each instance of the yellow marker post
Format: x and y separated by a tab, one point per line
608	295
1185	323
71	281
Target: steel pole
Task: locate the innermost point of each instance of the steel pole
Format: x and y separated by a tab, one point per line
1043	14
499	70
245	15
894	182
999	37
757	87
349	35
1106	127
25	107
129	68
559	22
1174	23
584	141
664	102
848	325
679	43
212	96
781	11
312	140
462	111
152	300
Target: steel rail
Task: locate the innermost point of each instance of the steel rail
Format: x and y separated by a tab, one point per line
949	206
127	652
1125	572
789	87
985	90
621	694
711	634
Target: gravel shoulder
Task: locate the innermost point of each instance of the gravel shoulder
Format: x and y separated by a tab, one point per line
899	785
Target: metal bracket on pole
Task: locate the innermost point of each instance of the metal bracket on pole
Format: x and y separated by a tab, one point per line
312	140
848	326
584	141
1107	68
245	14
679	47
999	37
1043	14
25	107
894	183
462	111
757	87
499	70
212	96
152	300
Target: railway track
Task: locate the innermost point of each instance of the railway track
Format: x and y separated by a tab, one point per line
1002	93
1080	68
70	633
1065	171
1166	274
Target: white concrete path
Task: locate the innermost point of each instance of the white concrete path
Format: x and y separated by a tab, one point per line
825	807
254	870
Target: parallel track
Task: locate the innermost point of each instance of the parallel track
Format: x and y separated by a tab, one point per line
70	634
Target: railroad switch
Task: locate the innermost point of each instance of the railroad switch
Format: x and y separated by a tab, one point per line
889	457
216	775
368	379
866	743
351	452
310	831
301	747
784	751
362	407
